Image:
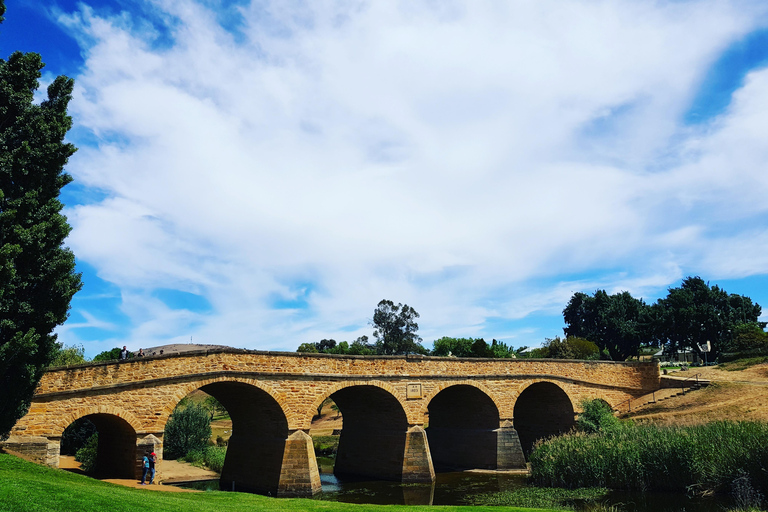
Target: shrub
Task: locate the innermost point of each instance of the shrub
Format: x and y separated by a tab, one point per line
188	429
86	455
597	416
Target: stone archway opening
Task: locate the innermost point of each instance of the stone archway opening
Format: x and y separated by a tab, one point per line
257	441
462	429
542	410
115	443
373	434
249	425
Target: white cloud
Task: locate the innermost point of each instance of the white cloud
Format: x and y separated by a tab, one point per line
431	154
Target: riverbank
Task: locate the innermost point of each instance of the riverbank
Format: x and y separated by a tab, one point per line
28	487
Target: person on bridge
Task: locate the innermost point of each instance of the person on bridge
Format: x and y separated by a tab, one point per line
124	353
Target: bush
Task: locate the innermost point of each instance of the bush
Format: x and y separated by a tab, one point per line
597	416
188	429
86	455
706	458
210	456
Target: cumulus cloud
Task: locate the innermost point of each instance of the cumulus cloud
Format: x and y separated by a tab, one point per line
294	163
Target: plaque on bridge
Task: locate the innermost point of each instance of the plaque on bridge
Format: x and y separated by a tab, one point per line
413	390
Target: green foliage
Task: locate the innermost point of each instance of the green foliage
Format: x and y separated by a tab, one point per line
567	348
704	459
615	323
747	337
696	313
111	355
597	416
470	347
211	457
359	347
325	446
188	428
76	435
86	455
540	497
395	329
212	404
37	277
67	356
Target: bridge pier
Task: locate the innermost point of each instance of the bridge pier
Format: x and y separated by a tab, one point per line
299	475
417	462
509	451
146	444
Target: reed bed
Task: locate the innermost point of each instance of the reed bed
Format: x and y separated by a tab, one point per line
704	459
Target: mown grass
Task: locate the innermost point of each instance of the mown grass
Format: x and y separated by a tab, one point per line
704	459
27	487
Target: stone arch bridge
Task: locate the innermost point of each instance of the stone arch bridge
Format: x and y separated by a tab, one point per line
403	416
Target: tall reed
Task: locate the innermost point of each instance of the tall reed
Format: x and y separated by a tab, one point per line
706	458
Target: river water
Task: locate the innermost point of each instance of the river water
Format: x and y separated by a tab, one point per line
460	487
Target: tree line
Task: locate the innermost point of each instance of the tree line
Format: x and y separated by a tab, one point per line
695	316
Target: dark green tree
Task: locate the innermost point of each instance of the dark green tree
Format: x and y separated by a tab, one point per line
695	312
75	435
395	329
617	324
37	273
188	428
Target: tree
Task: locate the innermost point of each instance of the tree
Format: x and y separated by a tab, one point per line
395	329
616	323
37	277
188	428
458	347
66	356
569	348
696	312
111	355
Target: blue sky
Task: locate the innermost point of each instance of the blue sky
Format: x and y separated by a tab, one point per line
260	174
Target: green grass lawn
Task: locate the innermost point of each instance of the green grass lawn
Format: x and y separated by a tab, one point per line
29	487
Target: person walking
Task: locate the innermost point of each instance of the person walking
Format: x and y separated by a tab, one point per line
124	353
144	469
152	461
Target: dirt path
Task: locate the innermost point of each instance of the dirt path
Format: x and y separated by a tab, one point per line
169	471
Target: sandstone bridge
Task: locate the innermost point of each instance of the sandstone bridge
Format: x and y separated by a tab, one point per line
404	417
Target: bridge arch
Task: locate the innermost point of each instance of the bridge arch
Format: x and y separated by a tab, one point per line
374	426
65	420
116	451
543	409
259	432
167	408
463	420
